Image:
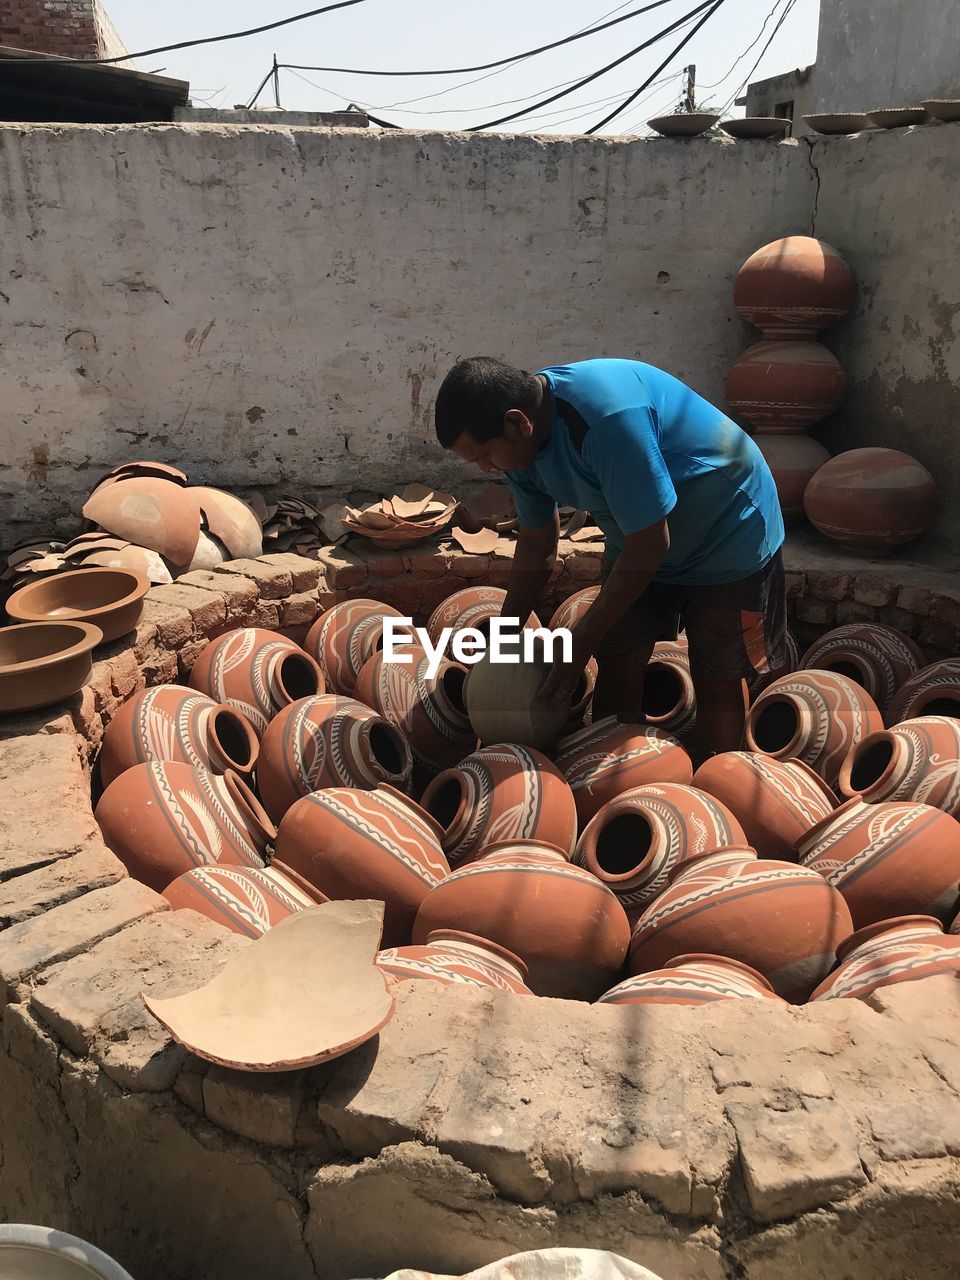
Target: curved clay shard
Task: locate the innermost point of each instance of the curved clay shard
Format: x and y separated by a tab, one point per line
305	992
230	520
481	543
139	559
153	513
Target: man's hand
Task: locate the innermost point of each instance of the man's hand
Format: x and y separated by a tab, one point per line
563	677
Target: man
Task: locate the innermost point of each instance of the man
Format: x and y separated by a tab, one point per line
684	498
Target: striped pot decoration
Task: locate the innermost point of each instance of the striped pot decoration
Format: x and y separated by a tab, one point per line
344	637
248	900
918	760
573	608
257	672
457	959
934	691
693	980
669	699
879	658
903	949
786	385
470	607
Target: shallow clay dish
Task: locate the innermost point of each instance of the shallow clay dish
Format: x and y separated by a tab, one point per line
112	599
685	124
756	127
838	122
897	117
44	662
29	1252
942	108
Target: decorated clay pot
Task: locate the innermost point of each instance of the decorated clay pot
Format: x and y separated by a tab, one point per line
781	919
344	637
814	716
775	801
501	793
454	958
173	723
503	705
794	287
608	758
163	818
669	700
918	760
636	839
248	900
879	658
573	608
257	672
329	742
886	858
902	949
933	691
350	843
793	460
872	500
470	607
693	980
786	385
567	927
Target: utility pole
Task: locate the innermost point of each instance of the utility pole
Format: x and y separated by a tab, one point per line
689	97
276	81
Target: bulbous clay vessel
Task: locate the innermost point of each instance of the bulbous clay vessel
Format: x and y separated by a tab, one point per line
365	844
163	818
786	385
903	949
693	980
794	460
257	672
933	691
781	919
669	699
501	793
248	900
918	760
775	801
608	758
814	716
879	658
886	858
470	607
344	638
454	958
329	742
503	706
567	927
169	722
636	840
794	287
872	500
573	608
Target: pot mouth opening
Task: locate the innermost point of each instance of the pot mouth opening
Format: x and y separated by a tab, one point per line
444	800
297	677
942	705
623	845
234	739
662	692
452	682
870	764
386	746
776	727
847	667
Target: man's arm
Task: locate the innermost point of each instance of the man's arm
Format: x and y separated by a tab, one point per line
533	561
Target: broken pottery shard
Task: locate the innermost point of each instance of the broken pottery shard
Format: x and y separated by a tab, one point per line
587	533
305	992
154	513
231	522
481	543
330	523
407	510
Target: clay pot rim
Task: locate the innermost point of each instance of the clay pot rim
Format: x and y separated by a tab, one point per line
784	753
616	808
857	752
297	655
18	605
88	636
697	957
860	936
523	842
661	664
243	796
802	847
401	742
416	808
296	878
219	710
477	940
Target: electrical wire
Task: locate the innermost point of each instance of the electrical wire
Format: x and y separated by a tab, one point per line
629	125
759	37
773	35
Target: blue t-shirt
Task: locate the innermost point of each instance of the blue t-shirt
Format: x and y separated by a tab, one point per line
631	444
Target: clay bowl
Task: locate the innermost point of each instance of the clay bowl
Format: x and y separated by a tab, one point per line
111	599
684	124
41	1253
44	662
838	122
942	108
897	117
756	127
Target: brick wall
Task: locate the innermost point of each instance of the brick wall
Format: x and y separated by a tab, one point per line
70	28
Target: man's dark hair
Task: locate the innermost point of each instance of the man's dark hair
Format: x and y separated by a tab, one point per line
477	394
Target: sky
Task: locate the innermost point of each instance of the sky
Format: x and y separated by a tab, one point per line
421	34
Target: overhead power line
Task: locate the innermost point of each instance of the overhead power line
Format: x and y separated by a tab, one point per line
773	35
723	79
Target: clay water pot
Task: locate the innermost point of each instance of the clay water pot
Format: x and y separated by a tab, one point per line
567	927
344	637
918	760
502	704
902	949
230	521
169	722
669	699
365	844
111	599
814	716
454	958
693	980
886	858
794	287
879	658
257	672
872	501
163	818
786	385
607	758
783	920
150	512
775	801
248	900
933	691
44	662
793	461
470	607
329	742
636	840
499	793
573	608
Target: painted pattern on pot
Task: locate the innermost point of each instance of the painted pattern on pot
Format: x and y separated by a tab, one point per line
248	900
934	691
573	608
454	958
786	385
917	760
345	637
257	672
879	658
903	949
693	980
669	698
470	607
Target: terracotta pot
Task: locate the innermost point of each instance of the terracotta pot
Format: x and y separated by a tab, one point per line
574	607
501	793
886	858
163	818
786	385
581	710
344	638
329	742
933	691
151	512
918	760
794	287
502	704
567	927
813	716
880	659
693	980
783	920
248	900
636	840
903	949
608	758
169	722
470	607
365	844
872	500
775	801
257	672
111	599
669	699
44	662
793	460
455	958
230	521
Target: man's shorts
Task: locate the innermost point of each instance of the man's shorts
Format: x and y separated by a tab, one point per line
734	629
